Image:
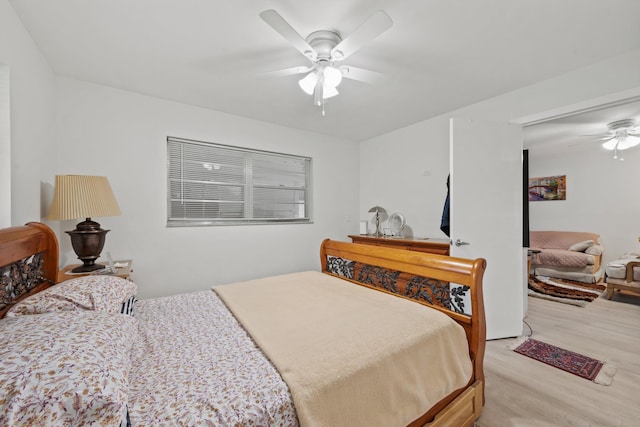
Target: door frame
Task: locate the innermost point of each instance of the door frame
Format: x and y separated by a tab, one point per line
611	100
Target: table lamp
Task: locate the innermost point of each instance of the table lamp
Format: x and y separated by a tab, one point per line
84	196
378	210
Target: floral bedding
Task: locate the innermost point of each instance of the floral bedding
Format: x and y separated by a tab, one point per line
99	293
65	368
194	365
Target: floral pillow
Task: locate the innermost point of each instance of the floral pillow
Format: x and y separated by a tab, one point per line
65	368
98	293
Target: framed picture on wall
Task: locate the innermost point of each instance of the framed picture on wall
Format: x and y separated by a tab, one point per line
548	188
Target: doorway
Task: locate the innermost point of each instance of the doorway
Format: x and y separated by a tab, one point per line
599	182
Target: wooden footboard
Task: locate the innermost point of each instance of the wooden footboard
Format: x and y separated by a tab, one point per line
463	410
426	279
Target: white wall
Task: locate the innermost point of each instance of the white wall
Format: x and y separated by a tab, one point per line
600	197
122	135
406	171
32	92
5	148
394	184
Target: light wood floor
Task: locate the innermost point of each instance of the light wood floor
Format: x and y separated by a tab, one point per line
523	392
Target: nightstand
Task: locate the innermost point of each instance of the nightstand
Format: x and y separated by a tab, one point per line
124	272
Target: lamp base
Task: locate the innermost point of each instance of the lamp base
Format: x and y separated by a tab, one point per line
87	241
86	268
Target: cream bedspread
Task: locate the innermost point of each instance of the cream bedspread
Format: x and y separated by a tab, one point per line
351	356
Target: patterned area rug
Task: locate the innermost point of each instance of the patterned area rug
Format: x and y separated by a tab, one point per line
565	291
574	363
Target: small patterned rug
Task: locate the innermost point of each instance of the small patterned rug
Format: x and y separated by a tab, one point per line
565	291
574	363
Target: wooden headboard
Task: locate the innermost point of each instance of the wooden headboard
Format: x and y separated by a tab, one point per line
28	262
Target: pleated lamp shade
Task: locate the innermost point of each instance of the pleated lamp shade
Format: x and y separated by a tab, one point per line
82	196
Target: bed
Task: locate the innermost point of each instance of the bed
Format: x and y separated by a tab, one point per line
379	336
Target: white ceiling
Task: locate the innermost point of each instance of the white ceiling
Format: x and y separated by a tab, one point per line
439	55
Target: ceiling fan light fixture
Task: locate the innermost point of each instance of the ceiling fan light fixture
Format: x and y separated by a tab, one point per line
311	84
324	48
628	142
330	92
623	136
308	83
332	77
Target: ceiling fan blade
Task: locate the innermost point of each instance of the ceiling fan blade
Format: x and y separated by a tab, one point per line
277	22
362	75
377	24
286	72
602	138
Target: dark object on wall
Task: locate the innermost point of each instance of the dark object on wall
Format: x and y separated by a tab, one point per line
525	198
444	223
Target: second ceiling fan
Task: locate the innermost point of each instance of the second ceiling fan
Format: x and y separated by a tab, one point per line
325	49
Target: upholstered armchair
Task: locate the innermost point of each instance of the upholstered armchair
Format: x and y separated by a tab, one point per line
623	274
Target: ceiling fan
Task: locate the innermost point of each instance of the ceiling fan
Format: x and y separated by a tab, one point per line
623	134
324	49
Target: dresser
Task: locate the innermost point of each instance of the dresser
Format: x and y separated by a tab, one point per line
431	245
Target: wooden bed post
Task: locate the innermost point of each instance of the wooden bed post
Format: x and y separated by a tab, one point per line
51	259
478	321
18	243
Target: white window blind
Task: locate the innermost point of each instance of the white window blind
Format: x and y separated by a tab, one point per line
213	184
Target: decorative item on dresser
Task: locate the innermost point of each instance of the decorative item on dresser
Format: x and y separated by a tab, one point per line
396	224
378	210
222	356
82	196
432	246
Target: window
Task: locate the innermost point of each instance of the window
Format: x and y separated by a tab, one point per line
213	184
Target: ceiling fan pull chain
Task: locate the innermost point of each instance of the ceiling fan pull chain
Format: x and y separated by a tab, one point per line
323	114
615	152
